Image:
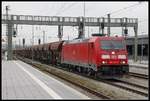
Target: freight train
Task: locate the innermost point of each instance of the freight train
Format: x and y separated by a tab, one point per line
98	55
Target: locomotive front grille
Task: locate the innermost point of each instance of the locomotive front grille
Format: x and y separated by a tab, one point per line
114	69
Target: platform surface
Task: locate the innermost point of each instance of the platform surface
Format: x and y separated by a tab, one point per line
22	81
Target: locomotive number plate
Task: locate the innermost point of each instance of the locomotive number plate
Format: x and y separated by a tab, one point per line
113	56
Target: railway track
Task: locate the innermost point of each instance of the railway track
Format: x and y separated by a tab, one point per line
132	87
134	84
85	88
135	88
138	67
80	86
142	76
142	90
138	89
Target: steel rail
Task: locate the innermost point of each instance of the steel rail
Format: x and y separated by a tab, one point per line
82	87
143	76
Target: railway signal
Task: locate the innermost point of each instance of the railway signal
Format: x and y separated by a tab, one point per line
102	25
125	32
23	41
39	41
14	34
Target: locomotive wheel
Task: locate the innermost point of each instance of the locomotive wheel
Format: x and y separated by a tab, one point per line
79	69
84	70
69	67
91	72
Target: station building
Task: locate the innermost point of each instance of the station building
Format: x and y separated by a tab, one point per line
143	47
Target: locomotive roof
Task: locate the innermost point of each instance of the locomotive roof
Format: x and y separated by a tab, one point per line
78	40
111	38
93	39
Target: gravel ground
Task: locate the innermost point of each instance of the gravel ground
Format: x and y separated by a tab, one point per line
92	96
138	70
123	94
139	62
135	80
115	92
132	87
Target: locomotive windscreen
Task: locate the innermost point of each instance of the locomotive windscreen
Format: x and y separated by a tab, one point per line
112	44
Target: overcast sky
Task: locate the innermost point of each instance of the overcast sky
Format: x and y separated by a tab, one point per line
75	9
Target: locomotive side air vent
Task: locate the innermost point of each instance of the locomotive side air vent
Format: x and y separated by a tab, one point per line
98	34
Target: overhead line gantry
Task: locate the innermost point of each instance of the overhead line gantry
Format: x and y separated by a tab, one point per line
59	21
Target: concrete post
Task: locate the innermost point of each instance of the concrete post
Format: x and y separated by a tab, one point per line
103	25
43	37
23	42
99	25
122	31
125	26
10	30
32	42
83	21
135	43
60	32
108	28
9	33
81	29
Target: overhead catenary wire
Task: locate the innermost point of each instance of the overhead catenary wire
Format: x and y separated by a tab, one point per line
84	19
62	10
62	6
113	12
129	10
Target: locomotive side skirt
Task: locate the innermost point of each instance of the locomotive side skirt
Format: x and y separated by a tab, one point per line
84	65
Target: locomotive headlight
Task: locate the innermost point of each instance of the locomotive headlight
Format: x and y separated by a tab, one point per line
104	62
105	57
123	62
121	56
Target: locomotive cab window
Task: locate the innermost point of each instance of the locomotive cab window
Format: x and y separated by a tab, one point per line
112	44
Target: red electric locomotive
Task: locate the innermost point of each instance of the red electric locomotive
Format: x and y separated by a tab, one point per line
99	55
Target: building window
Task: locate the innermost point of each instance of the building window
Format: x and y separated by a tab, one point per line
139	50
145	49
130	49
